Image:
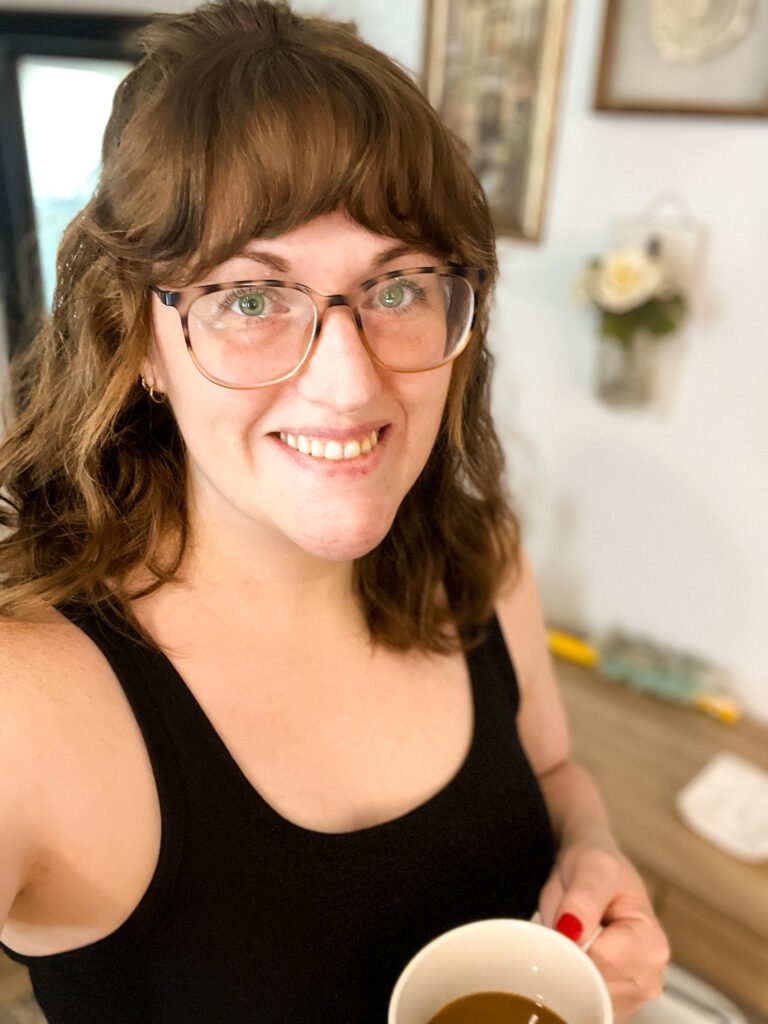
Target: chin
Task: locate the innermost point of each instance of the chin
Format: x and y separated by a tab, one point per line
346	544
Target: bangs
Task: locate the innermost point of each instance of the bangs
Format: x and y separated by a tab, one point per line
255	142
324	142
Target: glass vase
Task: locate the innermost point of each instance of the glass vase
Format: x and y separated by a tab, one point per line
626	373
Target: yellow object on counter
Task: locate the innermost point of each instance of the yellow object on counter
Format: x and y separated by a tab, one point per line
725	709
572	648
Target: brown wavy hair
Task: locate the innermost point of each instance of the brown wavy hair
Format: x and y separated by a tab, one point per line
243	120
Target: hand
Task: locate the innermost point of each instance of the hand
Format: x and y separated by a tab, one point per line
593	884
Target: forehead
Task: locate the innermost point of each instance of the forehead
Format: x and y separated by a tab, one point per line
328	246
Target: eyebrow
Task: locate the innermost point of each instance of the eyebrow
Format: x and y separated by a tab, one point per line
282	266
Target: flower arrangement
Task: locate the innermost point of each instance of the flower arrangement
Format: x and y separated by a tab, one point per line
632	292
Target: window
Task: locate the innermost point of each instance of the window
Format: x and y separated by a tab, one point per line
58	74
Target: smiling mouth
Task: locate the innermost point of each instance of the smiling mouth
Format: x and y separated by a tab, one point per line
335	451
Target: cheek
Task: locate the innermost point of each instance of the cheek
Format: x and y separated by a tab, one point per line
223	423
428	399
165	345
202	409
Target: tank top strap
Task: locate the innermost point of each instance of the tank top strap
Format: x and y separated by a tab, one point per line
153	693
147	679
489	660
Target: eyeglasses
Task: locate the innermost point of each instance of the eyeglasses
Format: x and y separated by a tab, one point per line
252	334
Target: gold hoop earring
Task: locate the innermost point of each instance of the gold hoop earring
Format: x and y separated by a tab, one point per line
154	396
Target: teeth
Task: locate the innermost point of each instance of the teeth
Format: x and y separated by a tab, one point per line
332	450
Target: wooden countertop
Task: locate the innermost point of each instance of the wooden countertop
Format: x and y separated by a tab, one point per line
642	751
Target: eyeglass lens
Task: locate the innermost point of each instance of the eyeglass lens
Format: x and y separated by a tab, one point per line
259	333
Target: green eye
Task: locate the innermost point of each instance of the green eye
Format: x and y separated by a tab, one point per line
251	304
392	296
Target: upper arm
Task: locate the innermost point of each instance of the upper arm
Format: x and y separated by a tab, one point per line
21	768
16	857
16	835
542	723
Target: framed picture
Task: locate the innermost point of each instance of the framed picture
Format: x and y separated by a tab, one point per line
58	75
492	70
668	57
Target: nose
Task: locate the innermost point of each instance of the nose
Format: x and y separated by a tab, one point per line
340	371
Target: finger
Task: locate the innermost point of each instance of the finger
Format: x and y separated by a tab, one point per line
549	899
633	948
586	897
631	956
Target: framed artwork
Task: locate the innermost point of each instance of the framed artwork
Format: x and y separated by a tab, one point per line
58	74
673	57
492	70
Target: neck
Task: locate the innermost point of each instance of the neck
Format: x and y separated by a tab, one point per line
257	580
281	579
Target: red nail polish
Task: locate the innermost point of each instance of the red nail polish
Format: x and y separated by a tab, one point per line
570	926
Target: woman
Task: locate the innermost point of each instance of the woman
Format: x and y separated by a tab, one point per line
261	735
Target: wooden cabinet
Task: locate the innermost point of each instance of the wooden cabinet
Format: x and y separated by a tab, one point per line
642	751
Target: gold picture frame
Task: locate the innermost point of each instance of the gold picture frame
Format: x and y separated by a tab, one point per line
492	71
679	60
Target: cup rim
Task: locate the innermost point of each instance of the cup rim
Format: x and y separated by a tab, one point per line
514	922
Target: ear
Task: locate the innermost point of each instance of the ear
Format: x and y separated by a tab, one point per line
147	370
150	373
152	365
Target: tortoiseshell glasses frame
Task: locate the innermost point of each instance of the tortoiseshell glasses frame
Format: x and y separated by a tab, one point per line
182	300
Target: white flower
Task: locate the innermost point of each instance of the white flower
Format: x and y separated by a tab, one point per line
626	279
584	284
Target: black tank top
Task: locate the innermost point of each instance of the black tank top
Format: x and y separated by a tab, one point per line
251	919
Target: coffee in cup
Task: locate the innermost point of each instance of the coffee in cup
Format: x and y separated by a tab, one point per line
504	957
495	1008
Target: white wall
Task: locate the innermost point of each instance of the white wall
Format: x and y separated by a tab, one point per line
647	520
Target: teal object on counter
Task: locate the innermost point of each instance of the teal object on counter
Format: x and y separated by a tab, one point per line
646	666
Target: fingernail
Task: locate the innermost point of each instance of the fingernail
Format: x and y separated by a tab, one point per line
570	926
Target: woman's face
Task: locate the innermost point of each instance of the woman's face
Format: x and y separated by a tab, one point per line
244	475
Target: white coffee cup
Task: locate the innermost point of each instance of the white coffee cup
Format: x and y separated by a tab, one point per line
502	955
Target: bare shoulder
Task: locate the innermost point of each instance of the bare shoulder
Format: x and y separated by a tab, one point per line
29	665
41	657
541	722
519	612
55	690
50	676
47	670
